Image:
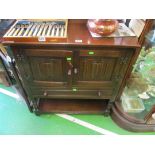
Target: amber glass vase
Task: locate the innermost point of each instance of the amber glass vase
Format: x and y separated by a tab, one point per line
102	26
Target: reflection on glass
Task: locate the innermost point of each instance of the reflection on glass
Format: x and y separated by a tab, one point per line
138	99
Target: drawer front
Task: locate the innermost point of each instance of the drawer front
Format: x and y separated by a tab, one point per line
106	52
73	93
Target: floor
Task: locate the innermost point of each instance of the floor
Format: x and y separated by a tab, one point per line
15	119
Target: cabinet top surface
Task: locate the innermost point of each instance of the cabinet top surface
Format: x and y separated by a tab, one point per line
78	35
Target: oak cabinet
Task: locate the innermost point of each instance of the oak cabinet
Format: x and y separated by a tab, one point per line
71	73
81	74
94	69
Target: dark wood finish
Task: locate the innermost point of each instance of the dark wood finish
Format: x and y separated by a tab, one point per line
130	125
43	67
4	75
3	78
96	68
69	93
149	115
103	70
72	106
131	118
20	87
77	30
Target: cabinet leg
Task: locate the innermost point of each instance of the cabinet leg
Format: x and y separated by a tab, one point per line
108	109
35	104
36	111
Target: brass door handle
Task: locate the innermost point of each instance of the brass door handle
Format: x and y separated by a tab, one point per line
70	64
75	71
69	72
70	68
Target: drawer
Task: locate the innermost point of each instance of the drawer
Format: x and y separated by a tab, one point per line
107	52
73	94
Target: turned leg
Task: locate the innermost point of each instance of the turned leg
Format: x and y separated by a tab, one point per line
108	108
35	104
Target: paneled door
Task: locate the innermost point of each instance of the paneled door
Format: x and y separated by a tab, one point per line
101	69
45	68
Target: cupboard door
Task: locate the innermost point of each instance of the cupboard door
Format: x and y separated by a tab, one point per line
41	67
102	69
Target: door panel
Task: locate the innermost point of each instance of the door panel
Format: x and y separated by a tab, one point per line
47	69
44	67
101	69
96	69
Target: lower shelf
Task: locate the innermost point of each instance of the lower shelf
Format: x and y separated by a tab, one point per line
72	106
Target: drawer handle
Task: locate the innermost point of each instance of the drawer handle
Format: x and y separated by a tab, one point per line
45	93
99	93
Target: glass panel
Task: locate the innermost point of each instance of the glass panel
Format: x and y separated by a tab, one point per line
138	99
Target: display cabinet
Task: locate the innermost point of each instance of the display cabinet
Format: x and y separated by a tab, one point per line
135	111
